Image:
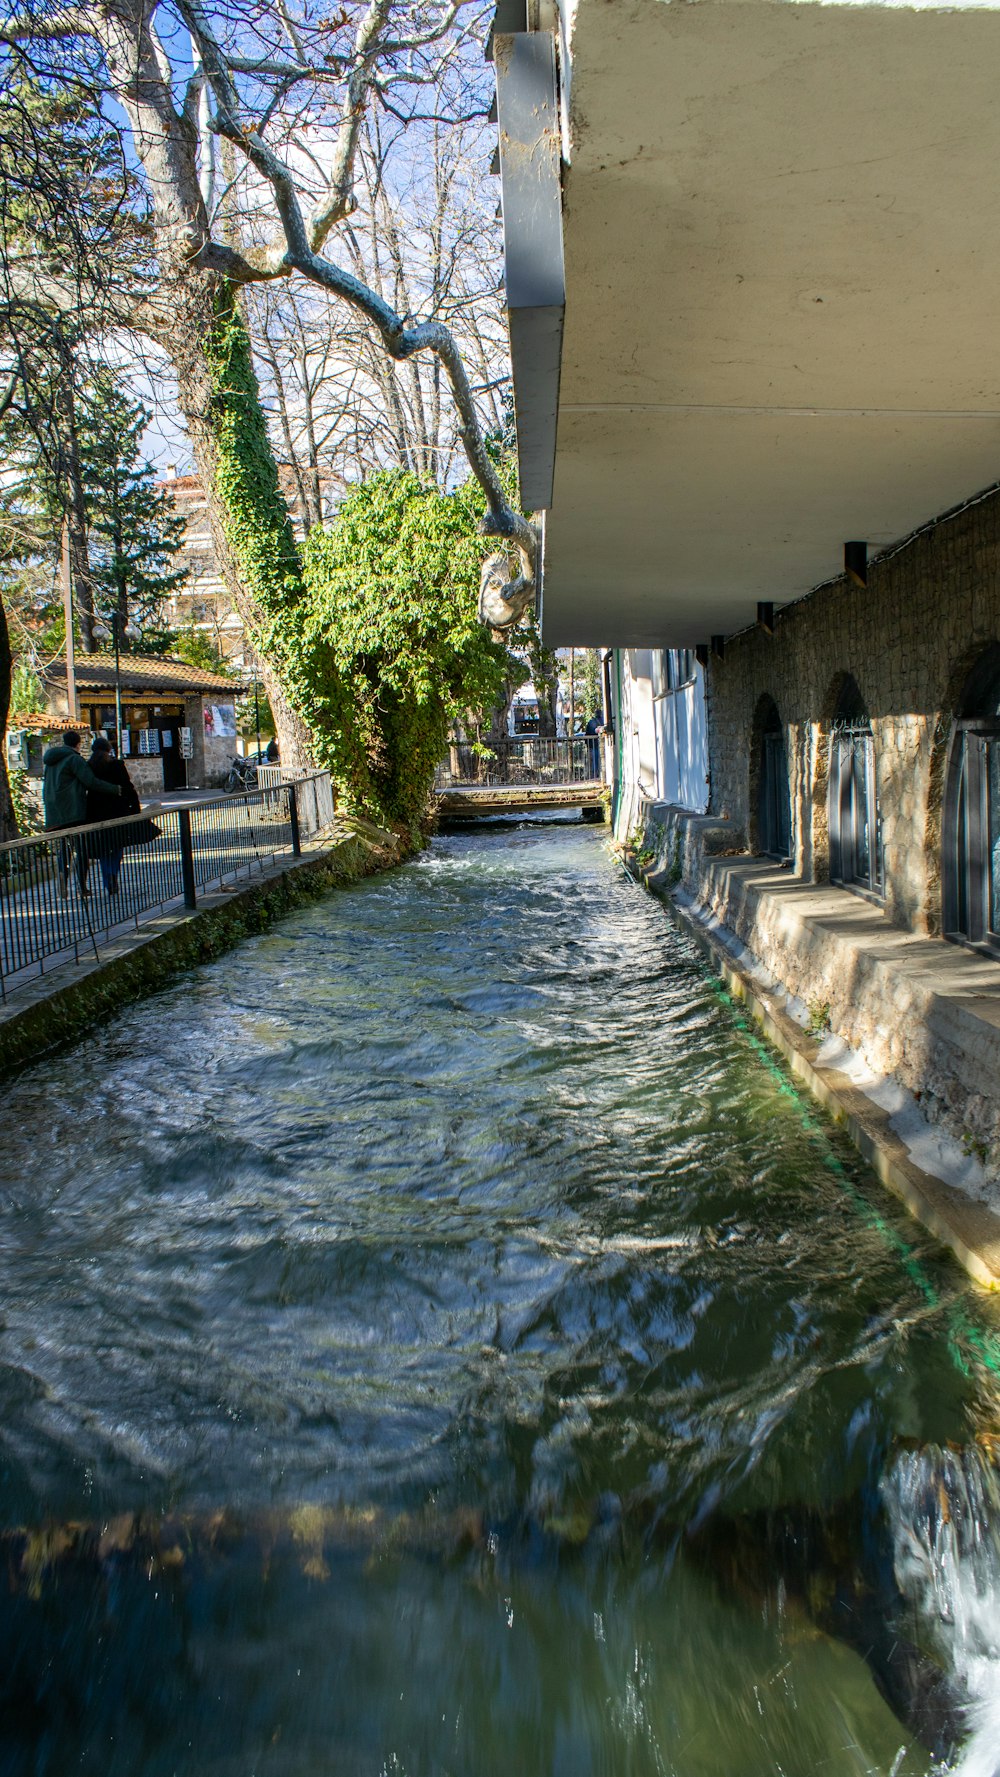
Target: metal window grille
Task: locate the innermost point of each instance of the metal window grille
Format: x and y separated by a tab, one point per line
855	819
775	807
972	836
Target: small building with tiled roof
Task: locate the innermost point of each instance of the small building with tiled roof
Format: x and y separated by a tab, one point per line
145	672
178	720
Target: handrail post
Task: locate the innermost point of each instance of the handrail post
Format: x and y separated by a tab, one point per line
187	857
293	821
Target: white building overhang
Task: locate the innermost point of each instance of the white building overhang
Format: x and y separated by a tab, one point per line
781	231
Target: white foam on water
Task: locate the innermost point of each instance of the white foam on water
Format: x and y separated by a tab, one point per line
944	1510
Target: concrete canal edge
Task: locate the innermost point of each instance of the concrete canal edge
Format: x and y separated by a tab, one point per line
61	1008
968	1228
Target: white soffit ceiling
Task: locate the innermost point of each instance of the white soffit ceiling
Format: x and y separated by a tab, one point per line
782	240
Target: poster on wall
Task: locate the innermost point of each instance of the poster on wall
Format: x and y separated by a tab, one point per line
126	742
149	741
220	721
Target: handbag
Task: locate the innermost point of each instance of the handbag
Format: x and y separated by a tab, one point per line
143	833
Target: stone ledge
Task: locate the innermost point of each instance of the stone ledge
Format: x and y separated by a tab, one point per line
921	1015
59	1008
970	1229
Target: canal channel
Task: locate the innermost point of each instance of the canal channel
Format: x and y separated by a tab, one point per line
436	1338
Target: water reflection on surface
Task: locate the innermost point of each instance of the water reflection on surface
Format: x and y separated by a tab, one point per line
503	1364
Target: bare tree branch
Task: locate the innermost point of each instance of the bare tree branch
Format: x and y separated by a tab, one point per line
28	27
259	124
400	341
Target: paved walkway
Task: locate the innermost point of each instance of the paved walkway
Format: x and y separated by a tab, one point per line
41	928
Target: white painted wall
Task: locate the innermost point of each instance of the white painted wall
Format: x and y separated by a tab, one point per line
661	732
681	737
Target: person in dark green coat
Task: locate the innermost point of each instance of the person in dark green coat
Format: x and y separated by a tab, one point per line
66	778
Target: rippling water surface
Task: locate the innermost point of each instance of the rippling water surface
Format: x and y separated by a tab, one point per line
436	1339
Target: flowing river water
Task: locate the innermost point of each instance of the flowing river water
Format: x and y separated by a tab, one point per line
437	1339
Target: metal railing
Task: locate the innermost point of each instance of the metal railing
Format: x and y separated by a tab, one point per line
268	776
525	759
62	893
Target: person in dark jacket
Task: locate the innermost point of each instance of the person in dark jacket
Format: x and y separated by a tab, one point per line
594	727
66	779
109	848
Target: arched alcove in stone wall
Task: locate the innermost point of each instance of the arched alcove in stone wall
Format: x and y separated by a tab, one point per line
820	798
769	825
973	691
765	710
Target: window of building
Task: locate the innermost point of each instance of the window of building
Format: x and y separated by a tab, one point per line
680	667
774	812
971	828
855	821
672	668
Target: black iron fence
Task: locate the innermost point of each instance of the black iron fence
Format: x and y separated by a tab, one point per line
525	759
62	894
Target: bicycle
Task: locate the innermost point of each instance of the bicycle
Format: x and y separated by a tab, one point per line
242	776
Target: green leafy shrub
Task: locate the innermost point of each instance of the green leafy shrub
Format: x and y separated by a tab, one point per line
394	650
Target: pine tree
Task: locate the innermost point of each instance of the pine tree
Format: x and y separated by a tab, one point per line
70	211
135	535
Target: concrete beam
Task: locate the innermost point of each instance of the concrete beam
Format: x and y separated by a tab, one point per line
528	112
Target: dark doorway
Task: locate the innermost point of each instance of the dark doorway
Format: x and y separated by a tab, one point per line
855	821
971	827
174	766
774	811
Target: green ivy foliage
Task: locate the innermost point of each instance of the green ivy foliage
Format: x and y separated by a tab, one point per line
395	650
373	629
258	528
25	810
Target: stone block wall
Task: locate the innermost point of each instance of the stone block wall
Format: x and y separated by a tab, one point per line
921	1013
212	755
146	774
909	640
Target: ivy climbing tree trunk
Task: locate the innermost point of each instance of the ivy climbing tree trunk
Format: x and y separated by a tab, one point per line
251	530
8	819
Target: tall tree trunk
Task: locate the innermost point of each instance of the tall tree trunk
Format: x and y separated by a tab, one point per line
270	357
8	819
251	529
120	576
74	500
545	678
315	515
500	713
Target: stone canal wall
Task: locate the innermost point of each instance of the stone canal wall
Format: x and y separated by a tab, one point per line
917	1021
908	640
60	1008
